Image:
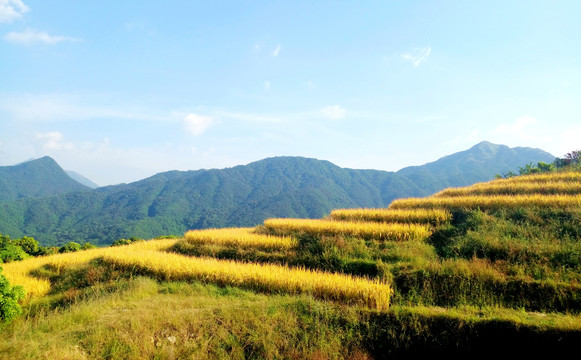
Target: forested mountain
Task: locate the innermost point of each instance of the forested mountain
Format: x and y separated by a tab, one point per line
175	201
479	163
36	178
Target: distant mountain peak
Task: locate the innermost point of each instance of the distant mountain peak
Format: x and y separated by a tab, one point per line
487	146
35	178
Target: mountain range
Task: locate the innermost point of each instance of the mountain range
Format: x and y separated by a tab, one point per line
39	199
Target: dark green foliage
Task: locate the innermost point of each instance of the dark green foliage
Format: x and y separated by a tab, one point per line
174	202
29	245
9	298
87	246
9	251
120	242
70	247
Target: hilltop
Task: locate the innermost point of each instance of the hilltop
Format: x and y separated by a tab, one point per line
245	195
36	179
493	263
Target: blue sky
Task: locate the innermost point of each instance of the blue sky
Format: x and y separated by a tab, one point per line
121	90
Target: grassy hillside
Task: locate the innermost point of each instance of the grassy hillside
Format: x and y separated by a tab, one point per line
492	269
173	202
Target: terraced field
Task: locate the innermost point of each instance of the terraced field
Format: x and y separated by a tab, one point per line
497	262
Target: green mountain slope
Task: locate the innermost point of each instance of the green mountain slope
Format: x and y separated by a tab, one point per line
472	165
173	202
33	179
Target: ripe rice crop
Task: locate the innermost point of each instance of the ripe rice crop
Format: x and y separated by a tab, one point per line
149	257
365	230
489	202
569	176
240	237
18	272
514	188
418	216
259	277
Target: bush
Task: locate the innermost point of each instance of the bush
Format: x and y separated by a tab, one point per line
87	246
9	251
131	240
29	245
70	247
9	297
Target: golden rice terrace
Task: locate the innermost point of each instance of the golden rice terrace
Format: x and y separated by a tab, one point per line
493	263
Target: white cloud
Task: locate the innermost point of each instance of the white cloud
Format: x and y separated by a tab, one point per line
54	141
516	127
33	37
417	56
276	51
334	112
266	84
197	124
12	10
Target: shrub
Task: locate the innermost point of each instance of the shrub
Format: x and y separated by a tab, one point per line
9	297
87	246
70	247
29	245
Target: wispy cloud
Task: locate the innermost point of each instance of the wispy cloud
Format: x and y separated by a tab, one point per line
517	127
29	37
53	108
54	141
276	51
266	84
417	56
334	112
197	124
12	10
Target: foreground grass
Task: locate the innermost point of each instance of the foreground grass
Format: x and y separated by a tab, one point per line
143	318
179	320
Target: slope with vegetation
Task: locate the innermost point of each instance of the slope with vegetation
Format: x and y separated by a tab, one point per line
173	202
423	277
36	179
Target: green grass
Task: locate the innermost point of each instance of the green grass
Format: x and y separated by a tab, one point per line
143	318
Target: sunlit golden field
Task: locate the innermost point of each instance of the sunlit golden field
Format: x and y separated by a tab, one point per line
419	216
242	237
367	230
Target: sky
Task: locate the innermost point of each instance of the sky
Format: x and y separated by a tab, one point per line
121	90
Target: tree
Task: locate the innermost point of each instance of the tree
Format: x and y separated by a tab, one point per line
572	158
87	246
9	251
9	298
29	245
544	167
70	247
